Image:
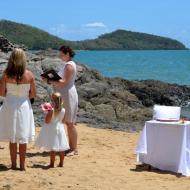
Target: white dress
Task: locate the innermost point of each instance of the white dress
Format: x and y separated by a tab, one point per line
16	115
52	136
69	95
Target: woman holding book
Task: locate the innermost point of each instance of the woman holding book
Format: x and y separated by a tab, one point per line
66	86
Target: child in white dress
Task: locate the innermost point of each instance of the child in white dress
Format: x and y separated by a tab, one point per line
52	136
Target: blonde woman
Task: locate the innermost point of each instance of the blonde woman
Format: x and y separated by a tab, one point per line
52	136
16	115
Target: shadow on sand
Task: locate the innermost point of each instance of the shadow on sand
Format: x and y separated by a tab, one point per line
43	154
41	166
149	168
3	168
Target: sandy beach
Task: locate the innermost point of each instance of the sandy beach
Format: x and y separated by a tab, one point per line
106	161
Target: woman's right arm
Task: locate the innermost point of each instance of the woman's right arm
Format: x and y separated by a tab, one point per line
48	117
32	93
3	86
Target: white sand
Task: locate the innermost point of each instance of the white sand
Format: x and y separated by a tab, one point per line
106	161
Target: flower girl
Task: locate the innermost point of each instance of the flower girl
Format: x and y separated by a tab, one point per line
52	135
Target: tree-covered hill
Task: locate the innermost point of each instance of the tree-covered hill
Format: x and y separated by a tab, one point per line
35	38
31	37
127	40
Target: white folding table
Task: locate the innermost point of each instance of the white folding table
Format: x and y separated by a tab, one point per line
166	146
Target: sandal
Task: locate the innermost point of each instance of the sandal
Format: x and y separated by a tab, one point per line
72	153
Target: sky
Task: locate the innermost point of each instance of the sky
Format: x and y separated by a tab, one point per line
87	19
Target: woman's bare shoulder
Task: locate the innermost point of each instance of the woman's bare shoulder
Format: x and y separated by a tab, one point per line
69	67
28	76
29	73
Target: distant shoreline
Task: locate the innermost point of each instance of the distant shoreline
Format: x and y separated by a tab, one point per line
187	49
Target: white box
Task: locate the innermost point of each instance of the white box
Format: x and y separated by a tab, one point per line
166	113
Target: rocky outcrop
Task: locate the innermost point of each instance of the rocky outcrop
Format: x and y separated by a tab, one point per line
104	102
6	45
151	92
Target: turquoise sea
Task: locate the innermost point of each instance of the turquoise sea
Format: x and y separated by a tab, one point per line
171	66
165	65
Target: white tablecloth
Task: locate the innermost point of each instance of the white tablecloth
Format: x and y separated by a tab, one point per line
166	146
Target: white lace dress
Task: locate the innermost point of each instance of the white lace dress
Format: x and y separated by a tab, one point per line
52	136
16	115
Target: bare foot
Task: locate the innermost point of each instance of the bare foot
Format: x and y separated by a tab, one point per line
60	165
49	166
13	167
22	169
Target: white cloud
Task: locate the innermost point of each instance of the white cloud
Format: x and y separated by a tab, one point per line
95	25
82	32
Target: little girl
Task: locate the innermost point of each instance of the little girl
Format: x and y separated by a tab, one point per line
52	135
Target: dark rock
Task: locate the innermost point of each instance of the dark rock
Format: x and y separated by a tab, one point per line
6	46
151	92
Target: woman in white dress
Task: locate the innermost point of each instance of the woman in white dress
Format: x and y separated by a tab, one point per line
66	86
16	115
52	135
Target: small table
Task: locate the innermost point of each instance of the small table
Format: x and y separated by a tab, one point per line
166	146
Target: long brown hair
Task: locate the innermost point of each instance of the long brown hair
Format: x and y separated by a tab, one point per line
57	101
16	64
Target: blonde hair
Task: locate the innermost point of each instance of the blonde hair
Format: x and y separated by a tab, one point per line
57	100
16	64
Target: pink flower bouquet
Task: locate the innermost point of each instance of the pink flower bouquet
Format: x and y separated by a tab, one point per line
46	107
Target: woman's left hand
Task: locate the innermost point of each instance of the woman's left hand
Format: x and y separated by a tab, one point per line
46	80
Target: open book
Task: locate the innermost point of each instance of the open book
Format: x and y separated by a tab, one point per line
51	74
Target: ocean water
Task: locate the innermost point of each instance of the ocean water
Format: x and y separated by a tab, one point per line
165	65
